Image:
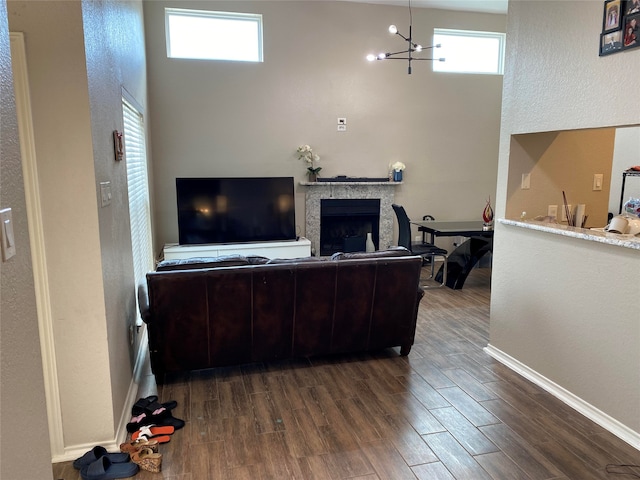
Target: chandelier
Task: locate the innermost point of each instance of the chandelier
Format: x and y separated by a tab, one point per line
412	47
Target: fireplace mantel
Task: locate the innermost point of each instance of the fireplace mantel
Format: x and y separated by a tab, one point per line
326	184
317	191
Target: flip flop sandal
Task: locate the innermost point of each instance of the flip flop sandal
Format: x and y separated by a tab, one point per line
162	416
142	403
157	438
151	432
98	452
103	469
153	414
171	421
141	442
138	422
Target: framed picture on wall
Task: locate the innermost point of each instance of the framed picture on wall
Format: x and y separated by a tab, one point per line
631	7
630	31
612	15
610	42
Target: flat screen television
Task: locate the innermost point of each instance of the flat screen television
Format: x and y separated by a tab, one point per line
235	210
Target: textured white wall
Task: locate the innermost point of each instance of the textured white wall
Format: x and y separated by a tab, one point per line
115	59
561	306
23	416
238	119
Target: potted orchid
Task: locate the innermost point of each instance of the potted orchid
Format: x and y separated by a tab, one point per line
305	152
397	168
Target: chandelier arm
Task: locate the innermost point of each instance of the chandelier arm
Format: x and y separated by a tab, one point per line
407	58
396	53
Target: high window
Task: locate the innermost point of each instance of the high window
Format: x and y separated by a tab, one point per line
205	35
468	51
138	188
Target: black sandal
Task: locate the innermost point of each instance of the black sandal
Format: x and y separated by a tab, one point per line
143	403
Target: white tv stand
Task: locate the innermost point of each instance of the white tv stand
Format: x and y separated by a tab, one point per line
278	249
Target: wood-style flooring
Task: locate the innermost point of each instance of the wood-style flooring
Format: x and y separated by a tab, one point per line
447	411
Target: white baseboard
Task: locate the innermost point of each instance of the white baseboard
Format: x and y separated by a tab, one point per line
605	421
113	445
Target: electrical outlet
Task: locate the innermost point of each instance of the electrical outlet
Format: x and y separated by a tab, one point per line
552	211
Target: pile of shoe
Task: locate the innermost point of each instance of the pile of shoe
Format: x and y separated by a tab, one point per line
152	424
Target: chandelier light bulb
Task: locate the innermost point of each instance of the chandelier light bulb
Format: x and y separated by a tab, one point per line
371	57
418	48
382	56
393	29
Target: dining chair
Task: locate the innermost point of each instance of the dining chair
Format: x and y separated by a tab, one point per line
428	251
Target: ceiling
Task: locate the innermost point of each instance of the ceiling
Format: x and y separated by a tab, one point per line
486	6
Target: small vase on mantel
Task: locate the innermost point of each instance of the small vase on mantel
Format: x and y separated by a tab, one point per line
369	245
397	175
313	177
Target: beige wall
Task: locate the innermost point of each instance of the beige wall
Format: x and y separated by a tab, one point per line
238	119
23	416
61	119
80	55
560	306
561	161
626	153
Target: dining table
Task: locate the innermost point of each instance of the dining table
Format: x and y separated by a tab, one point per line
465	256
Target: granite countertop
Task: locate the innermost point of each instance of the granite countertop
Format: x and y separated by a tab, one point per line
594	235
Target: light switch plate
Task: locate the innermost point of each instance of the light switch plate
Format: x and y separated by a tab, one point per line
526	181
105	193
8	239
597	182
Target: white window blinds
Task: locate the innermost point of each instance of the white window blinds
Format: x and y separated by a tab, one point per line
138	187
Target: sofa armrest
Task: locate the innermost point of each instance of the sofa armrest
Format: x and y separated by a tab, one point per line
143	302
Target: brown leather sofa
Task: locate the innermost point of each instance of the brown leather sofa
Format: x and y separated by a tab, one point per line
203	313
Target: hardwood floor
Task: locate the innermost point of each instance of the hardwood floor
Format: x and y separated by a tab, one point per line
447	411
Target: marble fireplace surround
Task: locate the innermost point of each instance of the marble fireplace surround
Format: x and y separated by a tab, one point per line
316	191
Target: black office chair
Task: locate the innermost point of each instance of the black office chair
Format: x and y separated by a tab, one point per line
428	251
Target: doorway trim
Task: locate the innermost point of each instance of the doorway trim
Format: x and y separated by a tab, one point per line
37	243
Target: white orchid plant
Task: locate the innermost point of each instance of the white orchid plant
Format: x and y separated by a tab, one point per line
305	152
398	166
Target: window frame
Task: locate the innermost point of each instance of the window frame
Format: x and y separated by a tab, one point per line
209	14
500	36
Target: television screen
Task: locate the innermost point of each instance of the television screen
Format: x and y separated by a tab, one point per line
235	210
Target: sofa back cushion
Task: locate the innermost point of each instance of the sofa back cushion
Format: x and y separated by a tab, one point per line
389	252
202	262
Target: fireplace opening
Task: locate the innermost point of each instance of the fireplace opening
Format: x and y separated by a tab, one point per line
344	224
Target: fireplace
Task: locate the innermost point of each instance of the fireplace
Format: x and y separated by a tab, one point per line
344	224
382	192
